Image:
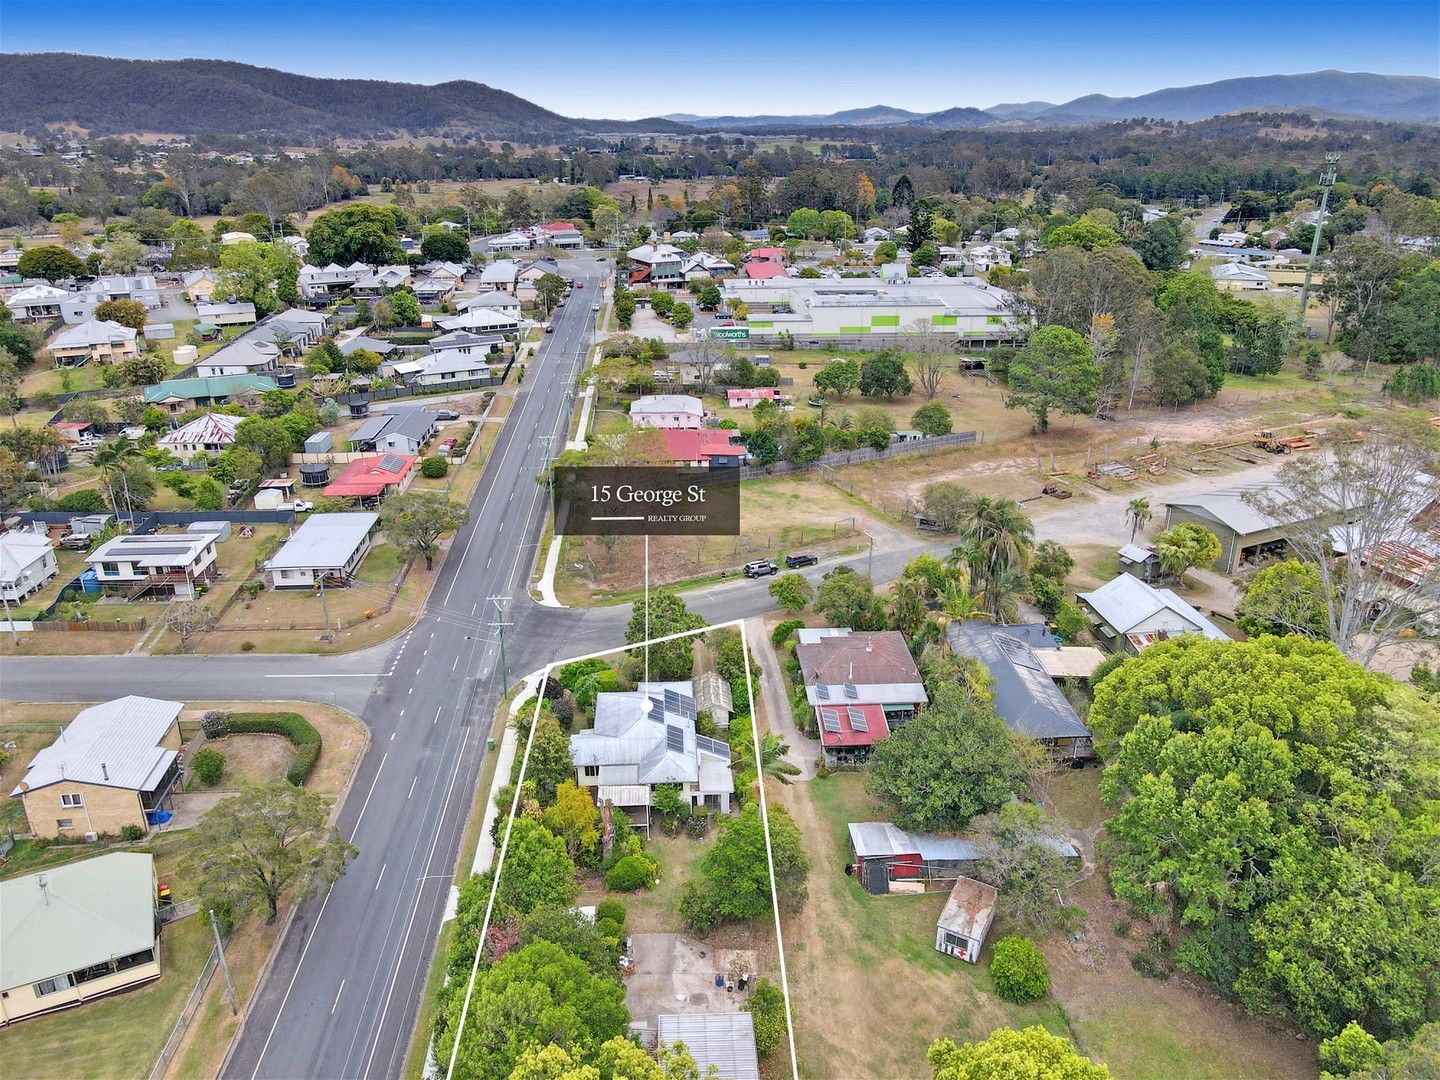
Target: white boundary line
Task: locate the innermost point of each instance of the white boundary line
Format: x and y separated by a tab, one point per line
515	806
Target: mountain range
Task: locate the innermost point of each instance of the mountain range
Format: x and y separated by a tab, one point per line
1344	93
111	96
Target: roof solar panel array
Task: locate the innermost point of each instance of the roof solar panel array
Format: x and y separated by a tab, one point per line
713	746
857	719
674	737
392	463
830	718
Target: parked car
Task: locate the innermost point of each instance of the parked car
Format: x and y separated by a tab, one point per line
795	561
595	307
579	284
760	568
446	414
549	328
302	506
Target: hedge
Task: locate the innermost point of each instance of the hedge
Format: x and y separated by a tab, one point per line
292	726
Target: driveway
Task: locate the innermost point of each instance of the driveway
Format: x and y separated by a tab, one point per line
775	707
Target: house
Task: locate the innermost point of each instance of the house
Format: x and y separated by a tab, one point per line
27	562
140	287
182	395
463	341
164	564
205	436
230	238
645	737
860	684
1140	562
370	479
77	932
712	448
764	271
1239	276
111	767
986	257
667	411
198	286
766	254
1131	615
722	1043
326	547
702	266
384	279
1245	532
502	302
1026	696
433	291
100	340
875	235
455	366
747	397
511	241
237	314
447	271
527	278
963	924
246	355
477	319
320	283
682	235
298	245
499	276
1229	239
659	265
36	303
401	432
562	234
890	860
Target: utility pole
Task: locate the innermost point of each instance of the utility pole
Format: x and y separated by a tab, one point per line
1327	181
500	625
324	608
5	601
870	562
224	967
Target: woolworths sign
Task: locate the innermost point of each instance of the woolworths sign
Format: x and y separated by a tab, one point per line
730	333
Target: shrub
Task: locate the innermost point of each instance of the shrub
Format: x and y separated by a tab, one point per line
784	630
1019	970
767	1004
132	832
1071	620
207	765
697	908
434	467
1049	595
630	873
608	929
215	724
292	726
612	909
253	588
247	646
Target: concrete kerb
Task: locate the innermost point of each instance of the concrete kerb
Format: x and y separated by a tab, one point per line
341	798
738	624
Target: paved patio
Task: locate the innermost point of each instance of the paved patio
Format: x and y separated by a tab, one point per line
190	805
676	974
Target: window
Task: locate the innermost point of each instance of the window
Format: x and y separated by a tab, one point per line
592	770
51	986
111	569
72	799
64	823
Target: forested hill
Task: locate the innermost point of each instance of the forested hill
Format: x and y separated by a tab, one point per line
109	96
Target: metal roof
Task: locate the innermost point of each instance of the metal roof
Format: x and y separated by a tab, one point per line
158	549
92	332
324	541
670	403
724	1040
1026	696
1125	602
210	428
970	909
114	744
88	912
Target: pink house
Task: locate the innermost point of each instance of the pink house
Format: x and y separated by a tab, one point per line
667	411
749	397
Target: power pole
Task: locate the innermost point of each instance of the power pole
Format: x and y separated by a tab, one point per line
224	967
500	624
1327	181
324	608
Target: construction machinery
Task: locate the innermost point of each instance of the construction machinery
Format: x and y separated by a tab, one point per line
1276	444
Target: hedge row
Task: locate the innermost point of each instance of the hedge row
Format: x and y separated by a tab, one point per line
292	726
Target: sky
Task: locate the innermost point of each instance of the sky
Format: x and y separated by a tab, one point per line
621	59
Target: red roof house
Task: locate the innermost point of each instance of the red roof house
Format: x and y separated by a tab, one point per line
706	447
559	226
851	727
746	397
766	254
762	270
371	477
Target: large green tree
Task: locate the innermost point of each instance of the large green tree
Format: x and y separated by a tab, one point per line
884	374
1055	370
51	262
1286	597
358	233
954	761
735	874
417	520
443	245
667	614
1007	1054
847	598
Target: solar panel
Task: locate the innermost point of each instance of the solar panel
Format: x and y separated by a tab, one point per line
830	718
857	719
713	746
822	692
852	693
392	463
674	737
656	712
680	704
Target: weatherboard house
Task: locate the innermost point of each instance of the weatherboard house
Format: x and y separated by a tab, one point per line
860	684
646	737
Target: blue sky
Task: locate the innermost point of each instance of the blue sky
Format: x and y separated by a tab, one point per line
622	59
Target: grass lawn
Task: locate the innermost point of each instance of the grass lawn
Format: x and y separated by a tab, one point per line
862	964
118	1036
654	911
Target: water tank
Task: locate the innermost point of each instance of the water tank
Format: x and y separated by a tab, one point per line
316	475
186	354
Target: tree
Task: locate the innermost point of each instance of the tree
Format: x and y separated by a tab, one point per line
418	519
1398	1059
262	274
886	251
550	289
549	764
667	615
1360	281
574	818
1178	376
144	370
921	230
847	598
1018	970
1137	516
129	313
884	374
1285	598
682	315
996	539
357	233
945	503
123	253
616	1059
929	365
1185	546
1373	489
1161	244
536	873
9	386
404	308
17	342
1031	1054
207	494
1021	859
769	764
735	872
531	998
838	378
1352	1050
932	419
709	298
263	844
951	763
1085	233
624	305
269	439
792	592
51	262
767	1005
803	222
444	245
1055	370
188	619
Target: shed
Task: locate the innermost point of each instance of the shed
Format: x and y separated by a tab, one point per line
1140	562
712	695
723	1042
966	919
160	331
319	443
219	529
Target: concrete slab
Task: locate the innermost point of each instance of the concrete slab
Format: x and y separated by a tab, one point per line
676	974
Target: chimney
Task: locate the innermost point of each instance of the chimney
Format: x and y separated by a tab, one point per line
104	772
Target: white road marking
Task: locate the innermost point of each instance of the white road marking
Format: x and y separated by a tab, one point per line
457	662
392	736
322	675
412	785
379	877
437	714
337	997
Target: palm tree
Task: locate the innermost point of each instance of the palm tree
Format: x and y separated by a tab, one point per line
1138	515
1002	595
111	460
995	537
772	763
